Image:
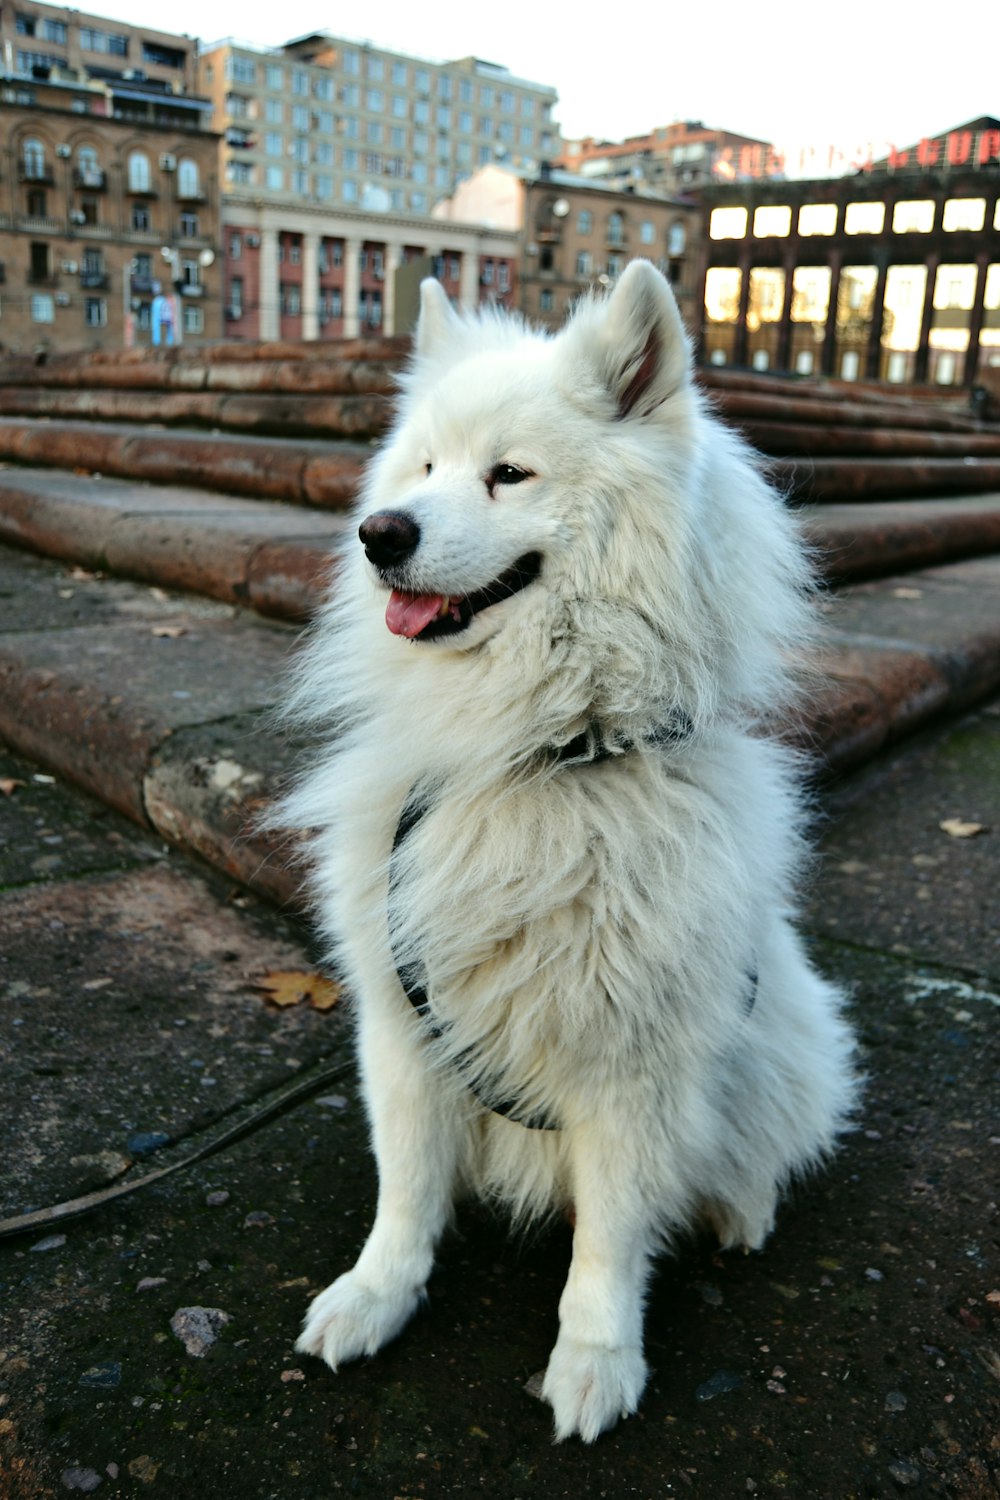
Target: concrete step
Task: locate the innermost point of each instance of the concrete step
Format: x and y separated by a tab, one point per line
306	472
275	558
158	703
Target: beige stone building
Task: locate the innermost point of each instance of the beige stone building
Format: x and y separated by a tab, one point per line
576	235
106	164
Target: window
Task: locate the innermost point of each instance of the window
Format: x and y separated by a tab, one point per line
300	148
103	41
465	121
527	136
818	218
864	218
274	143
300	117
647	232
810	294
913	216
139	177
444	88
34	159
616	229
545	299
955	288
486	97
444	117
236	297
39	261
194	319
375	100
37	203
140	216
55	31
676	238
300	81
584	263
239	172
323	154
399	74
95	312
235	246
190	274
503	277
585	222
349	190
188	226
352	63
374	132
376	69
772	220
964	213
43	308
614	266
507	101
324	186
274	76
238	69
728	223
188	185
722	294
291	300
324	121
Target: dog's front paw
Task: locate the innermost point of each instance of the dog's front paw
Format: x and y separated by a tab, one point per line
589	1387
351	1318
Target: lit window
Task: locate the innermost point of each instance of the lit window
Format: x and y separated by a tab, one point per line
772	220
767	294
996	215
43	308
810	294
964	213
955	287
864	218
903	309
913	216
991	292
818	218
722	294
728	223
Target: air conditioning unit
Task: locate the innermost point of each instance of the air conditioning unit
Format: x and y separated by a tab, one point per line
63	299
70	267
64	151
253	241
168	163
78	216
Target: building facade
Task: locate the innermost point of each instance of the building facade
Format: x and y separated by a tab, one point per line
304	273
671	160
891	274
576	235
110	190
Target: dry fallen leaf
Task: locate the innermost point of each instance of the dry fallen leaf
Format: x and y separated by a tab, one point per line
286	987
905	593
10	784
956	829
170	631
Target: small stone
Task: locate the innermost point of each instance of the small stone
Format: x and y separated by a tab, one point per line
873	1275
102	1377
81	1479
533	1384
904	1474
258	1219
198	1328
333	1101
718	1385
217	1199
895	1401
710	1294
149	1283
145	1142
288	1375
144	1469
51	1242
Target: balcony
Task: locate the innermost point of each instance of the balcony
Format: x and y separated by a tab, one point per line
192	289
91	179
38	277
149	191
95	281
35	176
186	196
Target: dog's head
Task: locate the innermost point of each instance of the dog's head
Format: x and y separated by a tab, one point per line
511	454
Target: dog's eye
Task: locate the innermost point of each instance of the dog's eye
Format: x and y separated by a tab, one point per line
507	474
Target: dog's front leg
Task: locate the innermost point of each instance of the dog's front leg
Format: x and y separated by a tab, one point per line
416	1141
596	1372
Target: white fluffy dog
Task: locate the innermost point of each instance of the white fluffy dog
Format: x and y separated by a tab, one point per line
554	851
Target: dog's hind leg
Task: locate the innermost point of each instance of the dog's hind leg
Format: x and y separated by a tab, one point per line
596	1372
417	1141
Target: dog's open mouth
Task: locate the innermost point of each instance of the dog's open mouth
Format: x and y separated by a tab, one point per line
426	617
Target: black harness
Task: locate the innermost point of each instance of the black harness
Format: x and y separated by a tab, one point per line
587	749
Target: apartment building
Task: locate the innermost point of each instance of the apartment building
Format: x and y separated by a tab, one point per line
110	184
890	274
671	159
349	125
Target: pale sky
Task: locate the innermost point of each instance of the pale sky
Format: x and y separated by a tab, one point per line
786	71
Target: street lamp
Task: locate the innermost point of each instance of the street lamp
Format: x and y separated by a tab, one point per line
173	258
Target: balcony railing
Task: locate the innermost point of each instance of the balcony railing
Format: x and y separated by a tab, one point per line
95	281
91	178
37	176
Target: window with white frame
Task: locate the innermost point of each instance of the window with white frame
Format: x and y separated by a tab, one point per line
139	176
43	308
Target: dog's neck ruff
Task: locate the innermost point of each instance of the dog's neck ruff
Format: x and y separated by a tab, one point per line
590	747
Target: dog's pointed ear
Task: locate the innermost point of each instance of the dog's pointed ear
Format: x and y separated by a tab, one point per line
637	340
436	321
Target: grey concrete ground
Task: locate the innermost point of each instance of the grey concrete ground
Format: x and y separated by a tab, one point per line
147	1348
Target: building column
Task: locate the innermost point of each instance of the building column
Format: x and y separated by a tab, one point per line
310	285
740	342
875	327
468	285
976	322
393	261
352	288
922	360
829	355
783	346
268	289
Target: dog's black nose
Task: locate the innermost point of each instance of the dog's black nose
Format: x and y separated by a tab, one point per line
390	537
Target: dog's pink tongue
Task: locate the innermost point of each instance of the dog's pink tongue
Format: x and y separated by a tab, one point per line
407	614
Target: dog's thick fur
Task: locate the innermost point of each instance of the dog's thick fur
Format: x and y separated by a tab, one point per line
602	938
